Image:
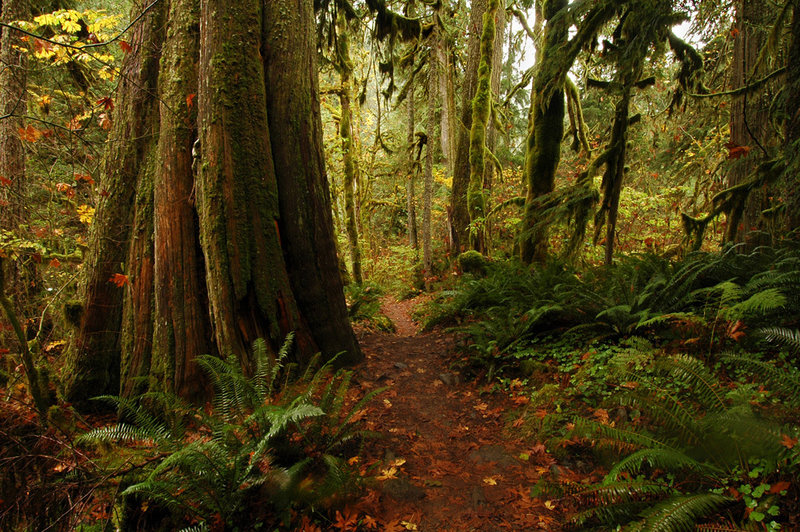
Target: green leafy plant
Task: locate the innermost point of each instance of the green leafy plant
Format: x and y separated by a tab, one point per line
707	451
270	442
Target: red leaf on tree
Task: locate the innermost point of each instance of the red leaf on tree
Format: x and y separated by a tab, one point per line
190	100
84	177
107	103
55	263
788	442
4	181
119	279
125	46
735	151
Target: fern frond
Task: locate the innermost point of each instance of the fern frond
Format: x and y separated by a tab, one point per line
695	375
782	336
784	380
665	458
680	513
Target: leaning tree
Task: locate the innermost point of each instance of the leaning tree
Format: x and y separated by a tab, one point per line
215	226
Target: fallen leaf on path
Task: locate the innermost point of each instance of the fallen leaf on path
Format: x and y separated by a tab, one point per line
388	473
550	505
492	481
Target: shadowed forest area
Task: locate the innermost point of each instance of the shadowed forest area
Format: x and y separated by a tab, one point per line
361	265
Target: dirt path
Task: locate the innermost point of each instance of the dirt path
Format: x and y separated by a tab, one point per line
445	460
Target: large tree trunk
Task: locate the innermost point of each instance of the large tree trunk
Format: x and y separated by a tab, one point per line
459	212
749	120
13	190
791	182
427	193
93	364
262	217
306	222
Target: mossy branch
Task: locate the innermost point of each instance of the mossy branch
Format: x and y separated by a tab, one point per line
39	400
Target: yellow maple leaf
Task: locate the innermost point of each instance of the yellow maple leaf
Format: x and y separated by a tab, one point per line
86	214
398	462
388	473
490	481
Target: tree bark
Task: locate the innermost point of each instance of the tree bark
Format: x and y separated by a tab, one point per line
749	122
427	193
345	67
459	212
546	128
481	110
13	189
497	74
93	360
233	246
413	165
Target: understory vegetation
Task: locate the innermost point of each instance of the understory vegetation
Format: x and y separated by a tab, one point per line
667	387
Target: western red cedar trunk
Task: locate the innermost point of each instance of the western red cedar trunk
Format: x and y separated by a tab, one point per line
749	122
237	192
181	328
791	183
459	213
93	364
13	106
306	223
215	254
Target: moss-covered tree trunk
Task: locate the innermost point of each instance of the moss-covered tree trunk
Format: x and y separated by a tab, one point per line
497	74
458	211
345	67
306	224
234	243
413	168
749	124
791	180
546	128
93	364
13	189
427	191
481	110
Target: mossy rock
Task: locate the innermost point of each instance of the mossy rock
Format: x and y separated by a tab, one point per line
473	262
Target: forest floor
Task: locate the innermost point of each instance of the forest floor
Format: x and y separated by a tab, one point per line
447	457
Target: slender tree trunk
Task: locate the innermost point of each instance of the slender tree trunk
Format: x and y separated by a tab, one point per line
615	172
481	110
427	194
449	122
497	72
413	165
459	212
345	67
546	128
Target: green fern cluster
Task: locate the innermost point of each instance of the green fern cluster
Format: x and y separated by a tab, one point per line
700	297
272	442
708	453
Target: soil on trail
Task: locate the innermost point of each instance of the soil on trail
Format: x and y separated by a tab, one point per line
445	459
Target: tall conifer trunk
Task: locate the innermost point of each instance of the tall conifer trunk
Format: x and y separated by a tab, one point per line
231	245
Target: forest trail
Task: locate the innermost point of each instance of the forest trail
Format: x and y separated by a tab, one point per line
446	459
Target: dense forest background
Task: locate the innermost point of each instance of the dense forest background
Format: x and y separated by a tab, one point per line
598	200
